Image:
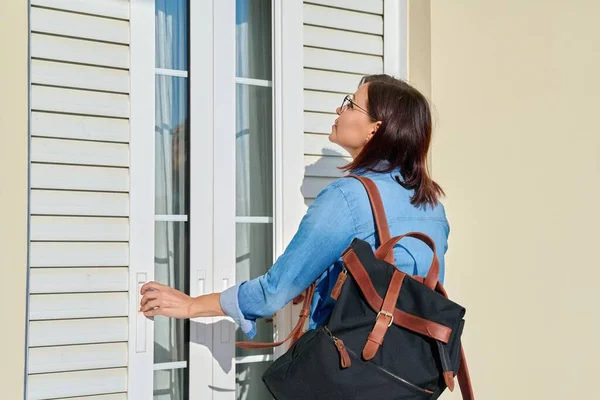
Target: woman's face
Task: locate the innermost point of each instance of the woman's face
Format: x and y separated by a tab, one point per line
354	127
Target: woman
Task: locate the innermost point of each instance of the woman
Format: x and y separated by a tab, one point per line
386	128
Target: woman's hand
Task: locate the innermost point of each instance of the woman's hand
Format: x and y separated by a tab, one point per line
159	299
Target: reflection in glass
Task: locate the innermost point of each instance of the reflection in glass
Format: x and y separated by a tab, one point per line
254	256
249	384
171	145
254	173
254	151
170	384
169	269
171	34
253	39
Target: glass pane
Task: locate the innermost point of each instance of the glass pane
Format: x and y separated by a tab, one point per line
254	250
170	384
172	34
254	256
171	144
170	261
249	385
253	41
254	151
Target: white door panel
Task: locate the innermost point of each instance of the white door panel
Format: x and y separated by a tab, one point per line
142	180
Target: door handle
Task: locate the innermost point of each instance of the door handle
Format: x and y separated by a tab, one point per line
201	279
225	324
141	321
200	328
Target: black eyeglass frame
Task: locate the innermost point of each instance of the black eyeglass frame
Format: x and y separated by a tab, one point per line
348	99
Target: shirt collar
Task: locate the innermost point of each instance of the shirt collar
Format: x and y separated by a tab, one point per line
381	165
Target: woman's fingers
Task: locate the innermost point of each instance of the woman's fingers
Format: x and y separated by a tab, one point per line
151	286
150	305
153	312
150	295
158	299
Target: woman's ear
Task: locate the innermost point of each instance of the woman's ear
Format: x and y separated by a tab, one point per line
376	126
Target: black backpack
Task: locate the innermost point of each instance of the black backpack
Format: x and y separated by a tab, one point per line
349	358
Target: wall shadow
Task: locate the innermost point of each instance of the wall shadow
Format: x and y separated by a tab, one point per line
320	173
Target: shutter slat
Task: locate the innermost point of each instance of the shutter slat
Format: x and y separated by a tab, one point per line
79	228
114	396
105	8
79	127
61	202
319	166
75	101
83	254
322	101
319	145
79	51
65	280
78	357
331	81
342	19
343	41
370	6
78	305
79	152
62	23
343	62
318	122
77	331
49	176
79	76
78	383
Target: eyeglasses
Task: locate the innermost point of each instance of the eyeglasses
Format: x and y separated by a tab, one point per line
349	103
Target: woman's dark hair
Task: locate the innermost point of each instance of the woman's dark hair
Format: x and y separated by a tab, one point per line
403	139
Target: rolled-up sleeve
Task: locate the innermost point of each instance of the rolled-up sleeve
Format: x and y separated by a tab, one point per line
324	233
231	306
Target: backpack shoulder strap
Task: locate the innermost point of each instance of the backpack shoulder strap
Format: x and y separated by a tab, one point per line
383	229
383	232
464	379
294	334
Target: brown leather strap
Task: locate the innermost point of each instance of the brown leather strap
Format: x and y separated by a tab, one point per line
401	318
383	229
434	270
464	379
385	317
337	289
294	334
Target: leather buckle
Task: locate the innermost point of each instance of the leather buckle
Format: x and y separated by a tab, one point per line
387	314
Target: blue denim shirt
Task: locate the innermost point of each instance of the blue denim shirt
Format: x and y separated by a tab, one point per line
340	213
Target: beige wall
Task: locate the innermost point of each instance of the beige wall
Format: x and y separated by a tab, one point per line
419	45
516	88
13	193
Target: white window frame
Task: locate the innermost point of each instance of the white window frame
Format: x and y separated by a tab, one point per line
141	195
289	136
202	125
212	65
223	190
395	38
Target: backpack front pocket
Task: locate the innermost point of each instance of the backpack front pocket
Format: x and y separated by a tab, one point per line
315	372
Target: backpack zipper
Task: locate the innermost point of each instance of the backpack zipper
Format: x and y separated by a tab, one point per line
345	361
337	342
337	289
